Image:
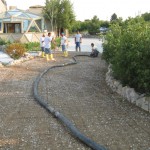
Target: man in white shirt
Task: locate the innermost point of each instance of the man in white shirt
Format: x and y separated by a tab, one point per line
48	40
42	44
64	44
78	40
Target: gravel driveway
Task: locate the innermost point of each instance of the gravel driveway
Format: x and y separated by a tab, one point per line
81	94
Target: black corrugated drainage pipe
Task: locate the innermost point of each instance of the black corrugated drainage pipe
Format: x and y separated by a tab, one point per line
59	115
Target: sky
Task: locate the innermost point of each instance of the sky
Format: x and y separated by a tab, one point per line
103	9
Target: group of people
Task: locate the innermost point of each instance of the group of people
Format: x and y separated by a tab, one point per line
78	41
45	44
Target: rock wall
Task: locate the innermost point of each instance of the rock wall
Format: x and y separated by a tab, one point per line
128	93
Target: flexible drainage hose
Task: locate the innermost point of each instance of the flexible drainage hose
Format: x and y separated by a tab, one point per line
60	116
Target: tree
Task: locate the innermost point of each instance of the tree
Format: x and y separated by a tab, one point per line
105	24
80	26
113	17
146	16
50	11
76	26
66	15
94	25
59	13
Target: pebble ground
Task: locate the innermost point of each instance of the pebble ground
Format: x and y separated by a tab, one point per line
81	94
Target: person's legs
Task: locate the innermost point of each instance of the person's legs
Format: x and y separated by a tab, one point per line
51	55
43	53
78	46
64	50
47	52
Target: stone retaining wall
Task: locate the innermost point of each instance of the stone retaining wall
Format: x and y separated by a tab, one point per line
128	93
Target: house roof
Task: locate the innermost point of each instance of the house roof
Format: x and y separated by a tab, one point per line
36	6
20	14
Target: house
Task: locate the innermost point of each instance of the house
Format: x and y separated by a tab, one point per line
16	24
36	9
3	6
20	21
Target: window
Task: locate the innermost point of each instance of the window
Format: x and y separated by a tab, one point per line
12	28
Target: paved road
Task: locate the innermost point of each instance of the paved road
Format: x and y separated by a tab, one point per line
78	91
86	44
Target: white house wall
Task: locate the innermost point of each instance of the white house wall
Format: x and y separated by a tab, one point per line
3	7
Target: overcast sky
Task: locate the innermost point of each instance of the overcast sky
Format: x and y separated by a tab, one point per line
103	9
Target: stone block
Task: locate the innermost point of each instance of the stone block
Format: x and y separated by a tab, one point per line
145	105
148	101
139	102
133	95
119	89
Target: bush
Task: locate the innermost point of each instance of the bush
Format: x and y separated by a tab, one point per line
16	50
32	46
55	43
4	42
127	48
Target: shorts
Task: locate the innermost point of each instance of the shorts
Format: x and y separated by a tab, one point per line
63	47
42	49
47	50
77	44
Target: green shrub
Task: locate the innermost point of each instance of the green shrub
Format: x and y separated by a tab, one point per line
127	48
55	43
16	50
4	42
32	46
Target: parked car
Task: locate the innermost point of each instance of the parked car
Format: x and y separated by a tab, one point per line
103	29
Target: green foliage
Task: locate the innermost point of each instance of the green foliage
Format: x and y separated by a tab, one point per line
4	42
127	48
56	43
59	13
113	17
91	26
146	16
16	50
76	26
50	12
66	15
94	26
32	46
112	43
105	24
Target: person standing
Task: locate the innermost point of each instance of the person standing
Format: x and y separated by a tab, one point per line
42	44
78	41
64	44
48	40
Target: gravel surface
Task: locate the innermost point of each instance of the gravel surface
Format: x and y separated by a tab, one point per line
81	94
